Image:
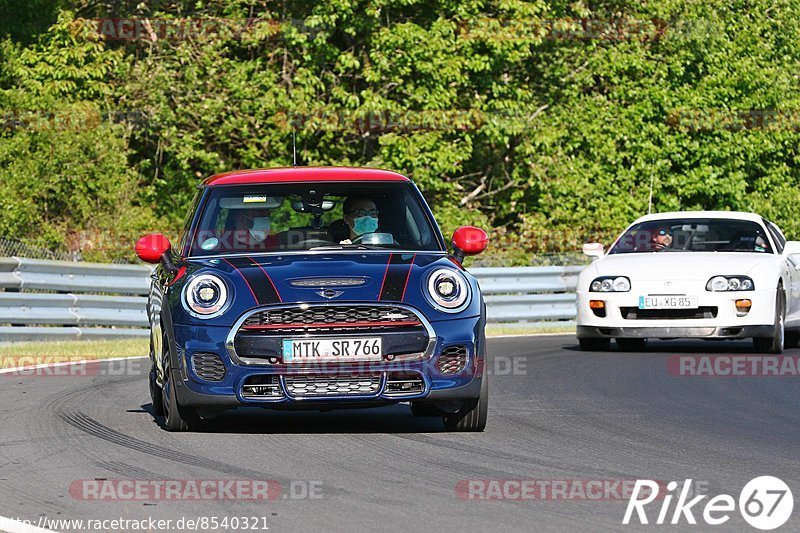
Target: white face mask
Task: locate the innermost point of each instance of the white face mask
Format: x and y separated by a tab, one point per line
260	228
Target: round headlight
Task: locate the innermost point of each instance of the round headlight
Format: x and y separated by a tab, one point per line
719	283
205	296
448	289
734	284
747	284
607	285
622	284
596	285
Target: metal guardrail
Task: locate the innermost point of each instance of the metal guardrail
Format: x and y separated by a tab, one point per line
526	296
61	300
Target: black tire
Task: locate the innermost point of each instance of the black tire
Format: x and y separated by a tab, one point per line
631	345
594	344
176	416
424	409
156	394
774	343
792	338
472	416
155	389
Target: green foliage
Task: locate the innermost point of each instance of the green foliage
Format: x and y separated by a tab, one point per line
507	114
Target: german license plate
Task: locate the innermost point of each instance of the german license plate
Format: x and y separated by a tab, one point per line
340	349
667	302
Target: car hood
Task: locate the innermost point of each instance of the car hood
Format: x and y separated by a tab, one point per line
331	278
679	265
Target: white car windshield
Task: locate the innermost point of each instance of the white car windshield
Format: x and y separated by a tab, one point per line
694	235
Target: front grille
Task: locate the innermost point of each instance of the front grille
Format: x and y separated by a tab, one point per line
316	386
404	385
208	366
453	359
332	318
634	313
262	387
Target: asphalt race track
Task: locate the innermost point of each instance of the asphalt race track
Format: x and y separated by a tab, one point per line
556	414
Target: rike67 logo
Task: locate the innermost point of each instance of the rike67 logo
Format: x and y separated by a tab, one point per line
765	503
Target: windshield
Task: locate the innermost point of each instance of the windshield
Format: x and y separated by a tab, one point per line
313	216
694	235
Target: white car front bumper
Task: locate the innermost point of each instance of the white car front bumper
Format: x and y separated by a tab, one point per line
715	317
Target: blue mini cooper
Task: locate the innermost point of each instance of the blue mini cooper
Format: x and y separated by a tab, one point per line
315	288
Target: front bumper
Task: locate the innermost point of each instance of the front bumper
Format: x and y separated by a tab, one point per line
430	383
719	319
667	332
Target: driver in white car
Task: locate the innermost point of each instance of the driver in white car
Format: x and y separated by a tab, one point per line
661	238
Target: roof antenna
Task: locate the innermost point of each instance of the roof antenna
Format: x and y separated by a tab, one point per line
294	148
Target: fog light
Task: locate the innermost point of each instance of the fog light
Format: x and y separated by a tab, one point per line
598	307
743	306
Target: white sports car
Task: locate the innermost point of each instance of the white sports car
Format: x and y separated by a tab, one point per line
701	274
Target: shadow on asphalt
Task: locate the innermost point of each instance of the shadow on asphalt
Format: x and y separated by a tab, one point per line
255	420
682	346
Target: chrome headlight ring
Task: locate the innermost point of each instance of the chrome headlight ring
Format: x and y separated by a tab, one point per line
448	290
205	296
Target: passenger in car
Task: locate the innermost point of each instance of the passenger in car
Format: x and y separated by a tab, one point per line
252	229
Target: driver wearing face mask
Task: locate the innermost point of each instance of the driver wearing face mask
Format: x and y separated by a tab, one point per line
252	230
361	216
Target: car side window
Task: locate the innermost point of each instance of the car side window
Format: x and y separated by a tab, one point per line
777	236
187	222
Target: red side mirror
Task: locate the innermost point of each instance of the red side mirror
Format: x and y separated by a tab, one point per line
469	240
151	248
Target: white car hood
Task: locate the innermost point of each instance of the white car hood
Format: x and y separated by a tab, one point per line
650	266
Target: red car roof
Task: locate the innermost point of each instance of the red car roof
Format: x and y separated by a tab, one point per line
294	174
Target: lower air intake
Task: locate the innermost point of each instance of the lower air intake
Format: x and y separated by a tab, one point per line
404	385
208	366
262	387
320	386
453	360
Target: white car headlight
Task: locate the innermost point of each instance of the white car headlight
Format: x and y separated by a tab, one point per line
205	296
730	283
448	289
610	284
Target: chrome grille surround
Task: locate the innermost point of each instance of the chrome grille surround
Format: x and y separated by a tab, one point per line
426	354
295	317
